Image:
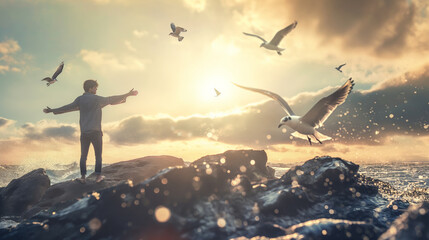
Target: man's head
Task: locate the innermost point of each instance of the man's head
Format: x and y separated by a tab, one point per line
90	86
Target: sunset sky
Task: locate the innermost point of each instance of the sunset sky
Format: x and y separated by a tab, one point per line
125	44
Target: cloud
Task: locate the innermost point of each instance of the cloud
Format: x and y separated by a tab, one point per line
130	46
140	34
44	130
9	46
4	122
369	117
8	49
106	62
196	5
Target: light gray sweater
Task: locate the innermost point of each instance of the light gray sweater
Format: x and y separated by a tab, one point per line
89	106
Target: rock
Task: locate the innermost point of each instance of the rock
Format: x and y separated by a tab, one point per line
22	193
211	201
252	163
323	174
332	229
136	171
413	224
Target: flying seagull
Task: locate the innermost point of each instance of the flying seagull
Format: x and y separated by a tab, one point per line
54	77
217	92
305	127
339	67
176	31
274	43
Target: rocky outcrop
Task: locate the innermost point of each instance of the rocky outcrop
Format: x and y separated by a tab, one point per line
211	201
133	171
24	192
251	163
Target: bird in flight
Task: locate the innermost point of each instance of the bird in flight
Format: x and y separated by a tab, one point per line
176	31
54	77
274	43
305	126
339	67
217	92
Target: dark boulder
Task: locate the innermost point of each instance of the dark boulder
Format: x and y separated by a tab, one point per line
252	163
323	174
413	224
22	193
132	171
213	201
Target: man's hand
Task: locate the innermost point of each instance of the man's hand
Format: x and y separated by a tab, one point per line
47	110
133	92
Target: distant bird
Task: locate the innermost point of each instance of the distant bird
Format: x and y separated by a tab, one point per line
54	77
176	31
217	92
339	67
305	127
273	44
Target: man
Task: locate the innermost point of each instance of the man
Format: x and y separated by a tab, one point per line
89	106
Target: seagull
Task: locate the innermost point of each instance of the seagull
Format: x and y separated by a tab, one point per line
217	92
176	31
273	44
339	67
305	126
54	77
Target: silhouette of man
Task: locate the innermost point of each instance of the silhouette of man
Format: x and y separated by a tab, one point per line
89	105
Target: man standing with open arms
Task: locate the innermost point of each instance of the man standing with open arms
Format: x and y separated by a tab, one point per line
89	105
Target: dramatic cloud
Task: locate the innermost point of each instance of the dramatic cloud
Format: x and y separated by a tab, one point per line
369	117
43	131
382	26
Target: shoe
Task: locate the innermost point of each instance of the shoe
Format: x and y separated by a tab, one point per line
81	180
100	178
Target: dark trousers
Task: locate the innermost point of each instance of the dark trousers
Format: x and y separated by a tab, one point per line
96	138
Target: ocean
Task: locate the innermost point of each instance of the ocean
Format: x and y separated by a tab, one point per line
403	176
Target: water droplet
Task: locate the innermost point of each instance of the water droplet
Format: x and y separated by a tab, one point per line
162	214
221	222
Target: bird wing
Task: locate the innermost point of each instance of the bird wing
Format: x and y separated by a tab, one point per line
280	34
173	27
272	95
325	106
59	70
46	79
341	66
254	35
179	30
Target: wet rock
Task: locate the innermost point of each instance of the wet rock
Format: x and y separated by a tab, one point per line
24	192
413	224
252	163
215	201
323	174
133	171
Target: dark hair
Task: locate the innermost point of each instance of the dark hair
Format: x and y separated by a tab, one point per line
89	84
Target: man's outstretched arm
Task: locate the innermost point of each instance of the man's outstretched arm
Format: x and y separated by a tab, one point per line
113	100
64	109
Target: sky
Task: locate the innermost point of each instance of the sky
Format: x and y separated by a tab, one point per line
125	44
